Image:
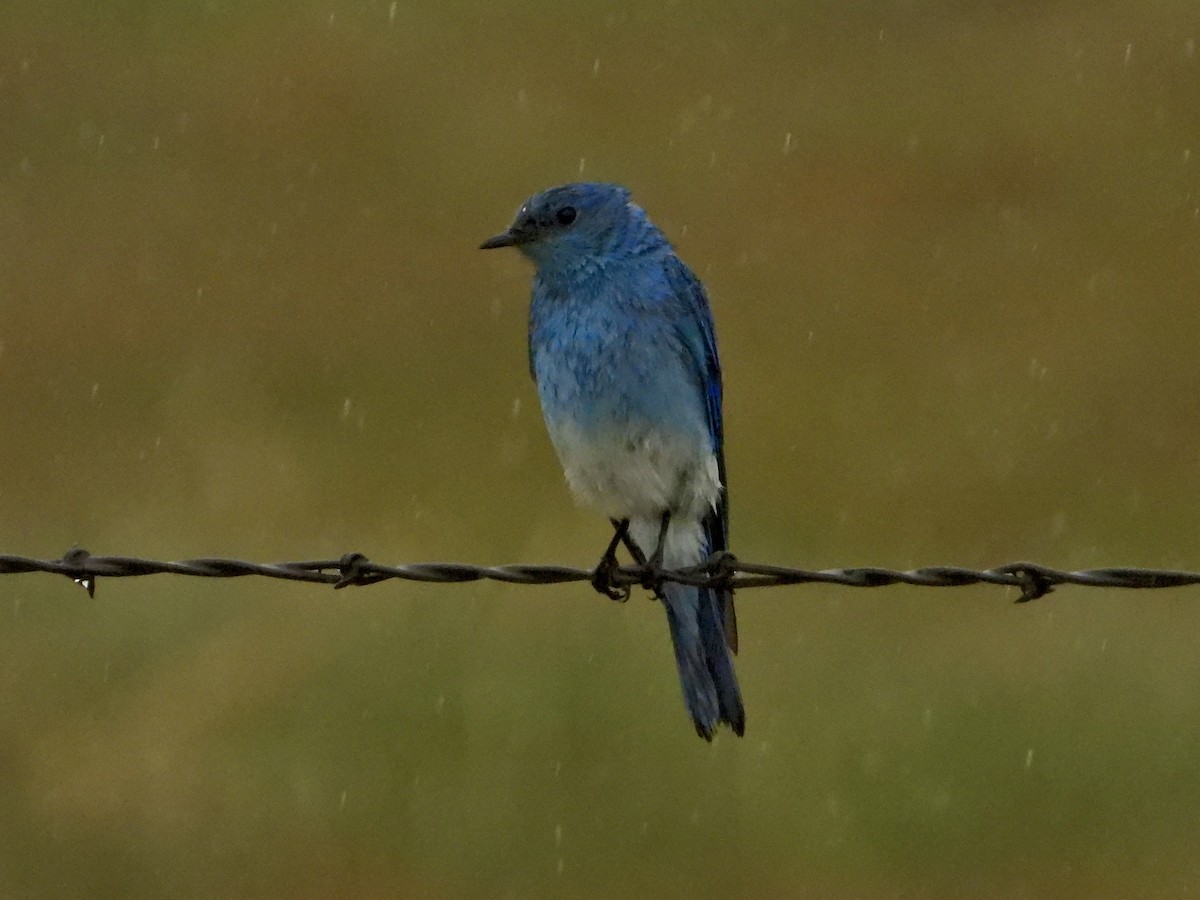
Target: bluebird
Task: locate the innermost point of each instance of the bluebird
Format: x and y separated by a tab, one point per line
623	351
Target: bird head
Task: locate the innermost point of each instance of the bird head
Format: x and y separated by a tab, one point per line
571	223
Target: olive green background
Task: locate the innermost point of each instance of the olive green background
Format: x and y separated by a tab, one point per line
953	250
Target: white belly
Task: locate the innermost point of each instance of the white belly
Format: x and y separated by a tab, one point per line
639	473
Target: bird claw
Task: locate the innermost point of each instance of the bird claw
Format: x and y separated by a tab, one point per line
603	580
654	584
652	576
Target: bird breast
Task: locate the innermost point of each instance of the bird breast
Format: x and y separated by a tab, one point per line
623	405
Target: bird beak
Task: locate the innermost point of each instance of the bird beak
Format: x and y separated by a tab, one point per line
511	238
503	239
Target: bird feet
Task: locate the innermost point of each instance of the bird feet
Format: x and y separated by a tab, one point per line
604	576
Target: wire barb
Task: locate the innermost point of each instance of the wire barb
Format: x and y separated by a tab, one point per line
722	569
77	555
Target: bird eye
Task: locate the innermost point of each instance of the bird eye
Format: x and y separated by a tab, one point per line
566	215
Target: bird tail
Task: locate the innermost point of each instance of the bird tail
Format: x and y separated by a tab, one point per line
710	690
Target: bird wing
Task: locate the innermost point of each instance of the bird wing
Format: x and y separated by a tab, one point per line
696	334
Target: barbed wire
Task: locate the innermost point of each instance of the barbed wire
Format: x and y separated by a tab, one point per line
722	569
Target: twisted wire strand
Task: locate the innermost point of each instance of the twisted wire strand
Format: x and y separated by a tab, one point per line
354	569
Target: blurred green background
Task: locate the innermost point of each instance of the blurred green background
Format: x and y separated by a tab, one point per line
953	250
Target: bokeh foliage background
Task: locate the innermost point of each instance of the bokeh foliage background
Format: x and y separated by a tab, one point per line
954	255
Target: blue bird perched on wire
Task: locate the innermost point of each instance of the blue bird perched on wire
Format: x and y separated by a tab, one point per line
622	347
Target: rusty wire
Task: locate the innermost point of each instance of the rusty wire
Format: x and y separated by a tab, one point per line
1032	579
